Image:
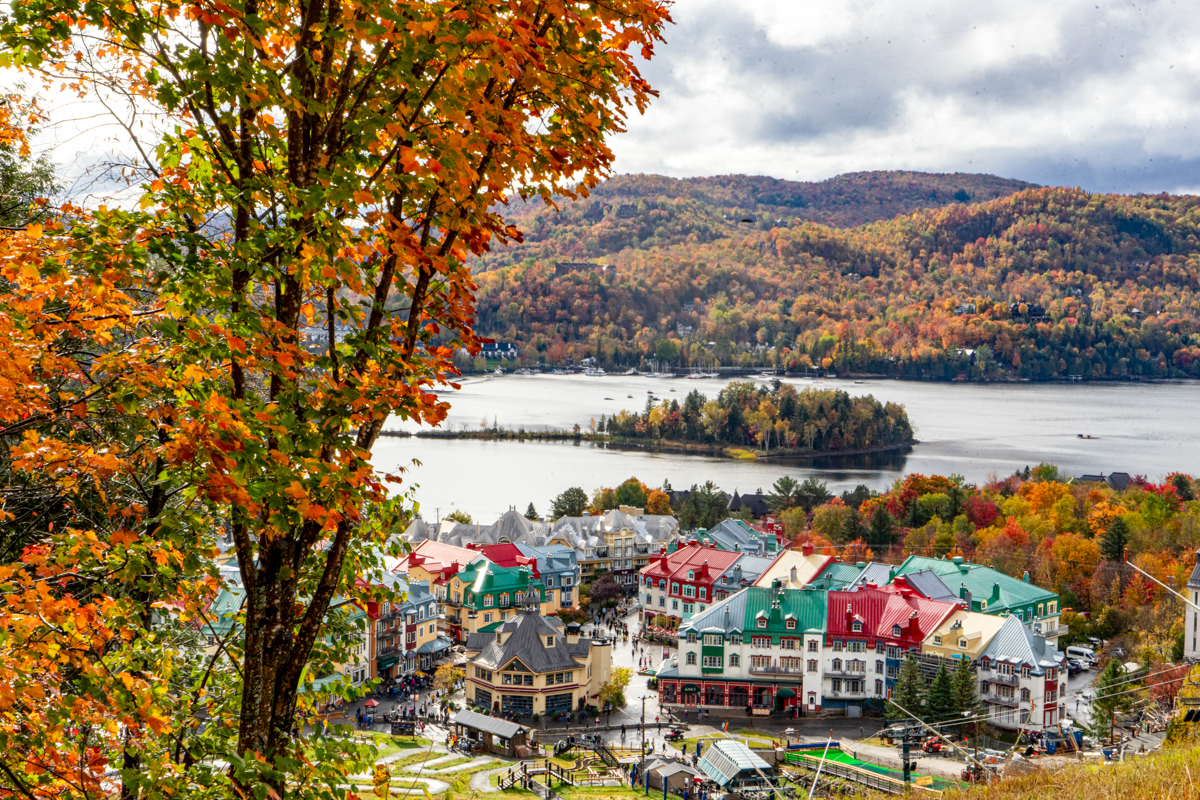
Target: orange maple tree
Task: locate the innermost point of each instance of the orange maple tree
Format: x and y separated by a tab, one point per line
292	277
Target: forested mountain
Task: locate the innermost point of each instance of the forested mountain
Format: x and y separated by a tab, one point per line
1044	283
645	211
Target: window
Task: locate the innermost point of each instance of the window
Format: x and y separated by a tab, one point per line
787	644
735	638
412	637
421	612
856	666
792	664
691	659
937	640
761	642
1025	670
879	667
703	593
760	662
812	665
857	647
880	648
713	662
691	575
688	608
662	584
893	652
674	605
984	664
762	622
891	672
837	665
649	598
483	674
835	685
549	580
421	631
674	588
689	591
962	644
713	639
662	602
790	624
549	641
735	660
691	637
1052	607
837	646
1041	609
856	627
1025	696
487	601
896	631
487	618
812	645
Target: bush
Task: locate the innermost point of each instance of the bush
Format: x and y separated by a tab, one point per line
537	718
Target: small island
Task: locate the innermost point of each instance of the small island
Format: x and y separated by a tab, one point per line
743	421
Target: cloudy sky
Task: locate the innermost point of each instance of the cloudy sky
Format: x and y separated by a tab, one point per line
1099	94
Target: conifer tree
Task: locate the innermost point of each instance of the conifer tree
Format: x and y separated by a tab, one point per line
940	703
1110	697
909	694
1112	545
966	695
531	513
882	527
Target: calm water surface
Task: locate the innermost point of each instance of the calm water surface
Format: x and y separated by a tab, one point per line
970	429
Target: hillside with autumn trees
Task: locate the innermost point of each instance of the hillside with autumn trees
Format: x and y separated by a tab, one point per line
1044	283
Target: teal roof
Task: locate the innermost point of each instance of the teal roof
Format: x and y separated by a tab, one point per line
1011	594
740	612
840	575
221	615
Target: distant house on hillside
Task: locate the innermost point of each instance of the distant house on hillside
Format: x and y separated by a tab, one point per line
1116	480
755	503
502	350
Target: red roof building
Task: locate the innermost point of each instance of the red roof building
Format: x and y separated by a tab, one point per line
680	584
509	555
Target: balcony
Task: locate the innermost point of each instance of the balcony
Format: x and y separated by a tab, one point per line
455	619
797	672
846	672
1007	680
1050	633
997	700
845	694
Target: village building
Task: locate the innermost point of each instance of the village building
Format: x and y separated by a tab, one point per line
869	632
992	592
963	634
739	536
497	736
615	542
735	767
796	567
529	665
557	566
1191	618
1022	678
680	584
755	651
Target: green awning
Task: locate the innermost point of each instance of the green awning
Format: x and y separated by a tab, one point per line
785	693
387	662
690	687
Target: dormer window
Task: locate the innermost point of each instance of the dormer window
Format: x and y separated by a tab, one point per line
791	624
937	640
896	630
691	575
857	626
762	622
549	641
962	644
691	637
487	601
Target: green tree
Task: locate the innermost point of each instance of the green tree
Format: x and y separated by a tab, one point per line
631	493
853	528
940	705
1112	695
613	690
531	513
783	494
812	493
883	528
703	507
909	694
966	694
1112	544
571	503
460	516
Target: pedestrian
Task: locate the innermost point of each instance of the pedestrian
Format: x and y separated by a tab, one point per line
657	723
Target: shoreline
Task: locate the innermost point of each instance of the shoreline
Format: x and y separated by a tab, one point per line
730	452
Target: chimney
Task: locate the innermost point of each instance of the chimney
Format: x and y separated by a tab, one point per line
995	598
1025	577
965	594
795	575
807	550
891	574
849	616
861	564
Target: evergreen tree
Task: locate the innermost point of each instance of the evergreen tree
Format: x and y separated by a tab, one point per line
940	703
571	503
1112	545
909	694
783	494
853	529
882	527
531	513
1109	688
966	695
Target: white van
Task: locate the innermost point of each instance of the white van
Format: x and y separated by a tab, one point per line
1084	655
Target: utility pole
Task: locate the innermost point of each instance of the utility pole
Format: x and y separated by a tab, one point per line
646	773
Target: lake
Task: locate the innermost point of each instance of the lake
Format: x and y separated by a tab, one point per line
975	430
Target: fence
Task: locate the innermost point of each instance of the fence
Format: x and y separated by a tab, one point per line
855	774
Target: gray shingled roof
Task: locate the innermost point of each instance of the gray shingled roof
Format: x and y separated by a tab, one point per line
492	725
878	574
1016	644
525	639
1194	581
726	616
928	583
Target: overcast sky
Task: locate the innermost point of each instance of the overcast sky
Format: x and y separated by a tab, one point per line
1103	95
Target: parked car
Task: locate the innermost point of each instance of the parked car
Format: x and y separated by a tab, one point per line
1073	667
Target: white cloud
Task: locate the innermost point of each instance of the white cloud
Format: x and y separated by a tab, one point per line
1102	95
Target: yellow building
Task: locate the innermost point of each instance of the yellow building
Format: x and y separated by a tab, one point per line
528	665
795	568
964	634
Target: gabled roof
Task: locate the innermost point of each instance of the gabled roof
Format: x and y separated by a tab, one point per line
693	557
728	758
744	572
980	581
878	574
524	637
493	725
880	610
435	557
551	557
739	613
927	584
506	555
807	565
1016	644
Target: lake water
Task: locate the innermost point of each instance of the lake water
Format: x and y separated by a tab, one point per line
974	430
